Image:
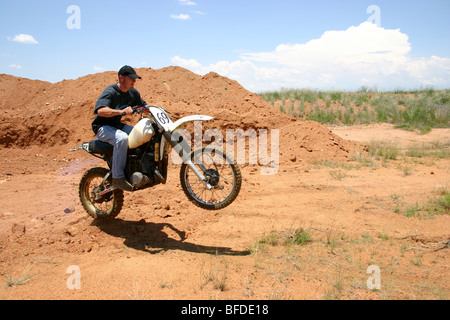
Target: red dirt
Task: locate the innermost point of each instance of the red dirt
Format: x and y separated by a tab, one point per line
162	247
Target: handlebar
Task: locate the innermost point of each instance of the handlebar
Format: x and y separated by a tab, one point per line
146	109
139	110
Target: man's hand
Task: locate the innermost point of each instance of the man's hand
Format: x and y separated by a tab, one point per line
128	110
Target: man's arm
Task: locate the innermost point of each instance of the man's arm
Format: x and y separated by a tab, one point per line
107	112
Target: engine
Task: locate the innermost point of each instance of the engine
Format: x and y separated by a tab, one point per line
141	166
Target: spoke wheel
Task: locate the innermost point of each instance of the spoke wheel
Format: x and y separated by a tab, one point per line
100	207
220	170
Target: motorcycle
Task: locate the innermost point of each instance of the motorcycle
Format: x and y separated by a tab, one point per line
210	178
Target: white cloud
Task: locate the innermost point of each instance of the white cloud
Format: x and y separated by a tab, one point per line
15	66
99	69
364	55
187	3
365	43
23	38
180	16
189	64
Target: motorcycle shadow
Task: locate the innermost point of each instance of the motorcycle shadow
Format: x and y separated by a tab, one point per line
150	237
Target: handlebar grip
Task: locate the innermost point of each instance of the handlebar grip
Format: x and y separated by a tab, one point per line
139	110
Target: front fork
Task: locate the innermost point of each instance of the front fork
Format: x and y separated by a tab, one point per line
184	150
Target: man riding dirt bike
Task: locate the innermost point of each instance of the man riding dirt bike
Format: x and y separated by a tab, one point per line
210	177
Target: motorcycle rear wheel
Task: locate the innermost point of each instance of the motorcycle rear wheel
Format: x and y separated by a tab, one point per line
221	171
107	206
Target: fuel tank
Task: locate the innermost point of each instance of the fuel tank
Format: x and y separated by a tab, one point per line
142	132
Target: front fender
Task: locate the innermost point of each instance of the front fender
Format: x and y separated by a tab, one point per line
184	120
181	147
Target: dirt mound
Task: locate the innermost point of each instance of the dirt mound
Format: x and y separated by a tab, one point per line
49	115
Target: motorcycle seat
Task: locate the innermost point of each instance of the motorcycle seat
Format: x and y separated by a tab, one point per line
100	147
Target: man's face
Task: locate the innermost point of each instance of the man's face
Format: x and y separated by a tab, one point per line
127	83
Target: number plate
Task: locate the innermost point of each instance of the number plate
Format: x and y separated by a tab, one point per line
162	117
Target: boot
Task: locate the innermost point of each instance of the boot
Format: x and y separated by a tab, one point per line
122	184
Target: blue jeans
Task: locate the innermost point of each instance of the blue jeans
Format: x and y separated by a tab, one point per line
119	140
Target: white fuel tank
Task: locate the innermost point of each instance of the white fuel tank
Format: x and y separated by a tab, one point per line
142	132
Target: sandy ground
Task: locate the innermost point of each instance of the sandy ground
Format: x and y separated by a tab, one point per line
162	247
333	223
389	134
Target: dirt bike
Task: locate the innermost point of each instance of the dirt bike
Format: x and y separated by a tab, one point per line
210	177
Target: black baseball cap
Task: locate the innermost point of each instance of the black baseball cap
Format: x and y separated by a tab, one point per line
129	72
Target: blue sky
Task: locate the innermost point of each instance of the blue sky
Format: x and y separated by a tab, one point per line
263	44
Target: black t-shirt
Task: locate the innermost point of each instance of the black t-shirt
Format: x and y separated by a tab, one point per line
115	98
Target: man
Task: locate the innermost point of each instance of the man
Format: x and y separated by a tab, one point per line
114	103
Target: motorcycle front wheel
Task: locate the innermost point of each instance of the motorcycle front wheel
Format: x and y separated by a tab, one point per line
99	207
220	170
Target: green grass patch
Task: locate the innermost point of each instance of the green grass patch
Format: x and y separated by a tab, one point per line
439	205
383	150
296	237
420	110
